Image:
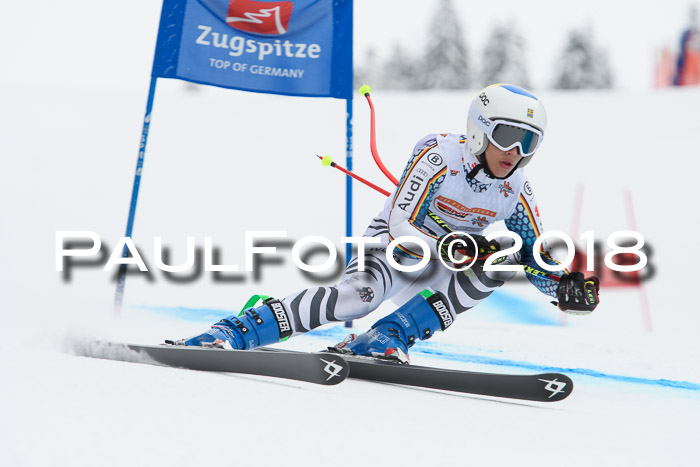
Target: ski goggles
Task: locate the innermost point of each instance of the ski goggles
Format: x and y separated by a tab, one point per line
506	135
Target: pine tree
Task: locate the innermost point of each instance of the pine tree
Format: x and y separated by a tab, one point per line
399	71
504	58
582	65
368	72
445	63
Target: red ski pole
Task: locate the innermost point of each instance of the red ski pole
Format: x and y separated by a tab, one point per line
365	90
328	162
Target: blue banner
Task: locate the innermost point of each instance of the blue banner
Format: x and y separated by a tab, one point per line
292	47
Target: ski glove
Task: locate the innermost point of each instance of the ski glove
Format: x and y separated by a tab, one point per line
578	296
462	248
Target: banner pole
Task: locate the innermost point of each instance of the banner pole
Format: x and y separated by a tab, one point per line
348	185
348	180
121	275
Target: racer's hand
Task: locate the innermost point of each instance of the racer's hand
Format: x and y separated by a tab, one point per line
578	296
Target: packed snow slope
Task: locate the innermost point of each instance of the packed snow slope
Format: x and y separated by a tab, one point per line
219	163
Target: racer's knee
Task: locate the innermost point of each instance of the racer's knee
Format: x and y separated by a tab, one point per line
358	295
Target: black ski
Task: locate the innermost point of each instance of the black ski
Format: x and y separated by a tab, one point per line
320	368
330	368
544	387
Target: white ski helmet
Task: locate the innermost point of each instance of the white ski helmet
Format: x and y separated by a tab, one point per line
507	116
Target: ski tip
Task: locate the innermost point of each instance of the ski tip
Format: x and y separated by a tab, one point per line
555	386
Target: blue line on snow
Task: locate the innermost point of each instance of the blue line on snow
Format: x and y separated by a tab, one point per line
434	350
581	371
509	308
188	314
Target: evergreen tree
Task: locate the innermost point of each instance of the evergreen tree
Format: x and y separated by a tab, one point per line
504	58
399	71
582	65
368	72
445	63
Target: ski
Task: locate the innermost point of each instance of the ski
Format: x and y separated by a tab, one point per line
330	368
319	368
543	387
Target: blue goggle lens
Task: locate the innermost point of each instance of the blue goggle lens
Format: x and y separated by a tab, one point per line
506	136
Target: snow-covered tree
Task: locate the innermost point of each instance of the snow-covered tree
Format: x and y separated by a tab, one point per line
368	71
503	59
445	63
582	65
399	71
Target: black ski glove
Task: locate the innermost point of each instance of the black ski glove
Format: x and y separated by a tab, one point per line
463	250
578	296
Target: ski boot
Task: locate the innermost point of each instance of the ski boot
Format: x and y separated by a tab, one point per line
392	336
253	327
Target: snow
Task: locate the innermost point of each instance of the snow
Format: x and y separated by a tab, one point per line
86	412
221	162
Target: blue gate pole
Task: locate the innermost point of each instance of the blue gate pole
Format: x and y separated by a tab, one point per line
121	275
348	186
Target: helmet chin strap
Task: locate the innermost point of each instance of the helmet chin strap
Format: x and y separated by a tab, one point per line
484	165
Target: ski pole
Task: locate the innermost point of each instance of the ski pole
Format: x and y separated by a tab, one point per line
328	162
530	270
365	91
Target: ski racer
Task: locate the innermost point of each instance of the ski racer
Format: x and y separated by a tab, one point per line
452	184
